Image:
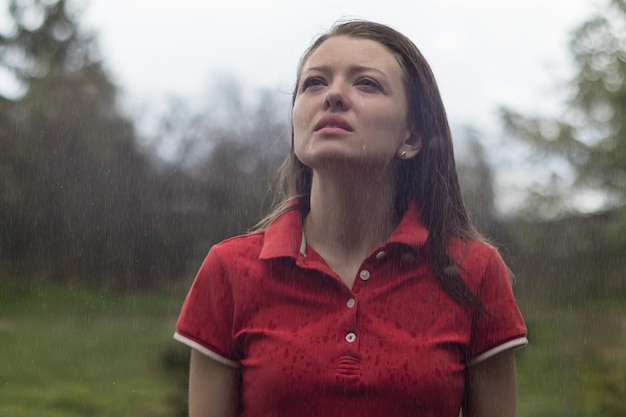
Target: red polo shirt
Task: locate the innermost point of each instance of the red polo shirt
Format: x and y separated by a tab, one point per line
395	344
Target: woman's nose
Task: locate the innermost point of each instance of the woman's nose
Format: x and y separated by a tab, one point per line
335	99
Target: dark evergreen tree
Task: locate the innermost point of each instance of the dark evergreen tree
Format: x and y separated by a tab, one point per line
74	183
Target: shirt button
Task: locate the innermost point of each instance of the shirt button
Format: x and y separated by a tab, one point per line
350	337
364	274
380	255
351	302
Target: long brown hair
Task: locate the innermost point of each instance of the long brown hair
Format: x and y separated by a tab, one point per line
430	178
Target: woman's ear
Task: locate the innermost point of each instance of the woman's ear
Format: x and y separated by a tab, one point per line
411	146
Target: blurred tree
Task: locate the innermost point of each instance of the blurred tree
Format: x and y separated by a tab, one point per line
476	180
590	137
223	163
580	253
73	184
45	39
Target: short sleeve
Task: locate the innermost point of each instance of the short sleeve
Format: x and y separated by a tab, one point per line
501	326
206	319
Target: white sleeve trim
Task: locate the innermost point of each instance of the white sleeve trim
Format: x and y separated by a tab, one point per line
515	343
197	346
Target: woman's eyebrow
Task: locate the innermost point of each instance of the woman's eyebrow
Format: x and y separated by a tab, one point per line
364	68
321	68
326	69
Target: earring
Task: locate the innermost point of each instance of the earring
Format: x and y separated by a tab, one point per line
403	155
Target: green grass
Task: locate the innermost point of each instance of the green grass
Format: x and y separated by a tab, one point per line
79	353
72	352
575	364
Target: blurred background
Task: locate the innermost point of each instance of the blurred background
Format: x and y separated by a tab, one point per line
134	135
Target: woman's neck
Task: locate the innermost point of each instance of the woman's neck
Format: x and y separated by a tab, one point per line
349	218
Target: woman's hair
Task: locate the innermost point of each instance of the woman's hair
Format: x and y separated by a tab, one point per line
429	178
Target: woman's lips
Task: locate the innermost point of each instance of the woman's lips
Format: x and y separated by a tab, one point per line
332	124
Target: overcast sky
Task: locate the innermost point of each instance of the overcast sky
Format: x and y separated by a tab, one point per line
484	53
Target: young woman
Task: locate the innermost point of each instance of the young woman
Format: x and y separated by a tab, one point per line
367	292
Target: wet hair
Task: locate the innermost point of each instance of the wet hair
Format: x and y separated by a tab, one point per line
430	178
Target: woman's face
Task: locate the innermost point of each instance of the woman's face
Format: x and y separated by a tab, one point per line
350	106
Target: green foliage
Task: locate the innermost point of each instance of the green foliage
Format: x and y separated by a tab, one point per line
476	181
81	201
73	177
590	136
46	40
220	173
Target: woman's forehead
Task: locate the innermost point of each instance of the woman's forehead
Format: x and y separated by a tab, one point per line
353	51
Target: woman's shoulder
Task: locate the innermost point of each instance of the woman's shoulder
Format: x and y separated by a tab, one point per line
231	255
475	256
244	244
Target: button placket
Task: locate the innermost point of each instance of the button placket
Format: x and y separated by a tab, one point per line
350	331
364	275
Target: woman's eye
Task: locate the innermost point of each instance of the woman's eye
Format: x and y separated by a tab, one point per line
311	82
367	83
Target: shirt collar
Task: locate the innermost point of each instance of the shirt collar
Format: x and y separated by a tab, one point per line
410	231
285	237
